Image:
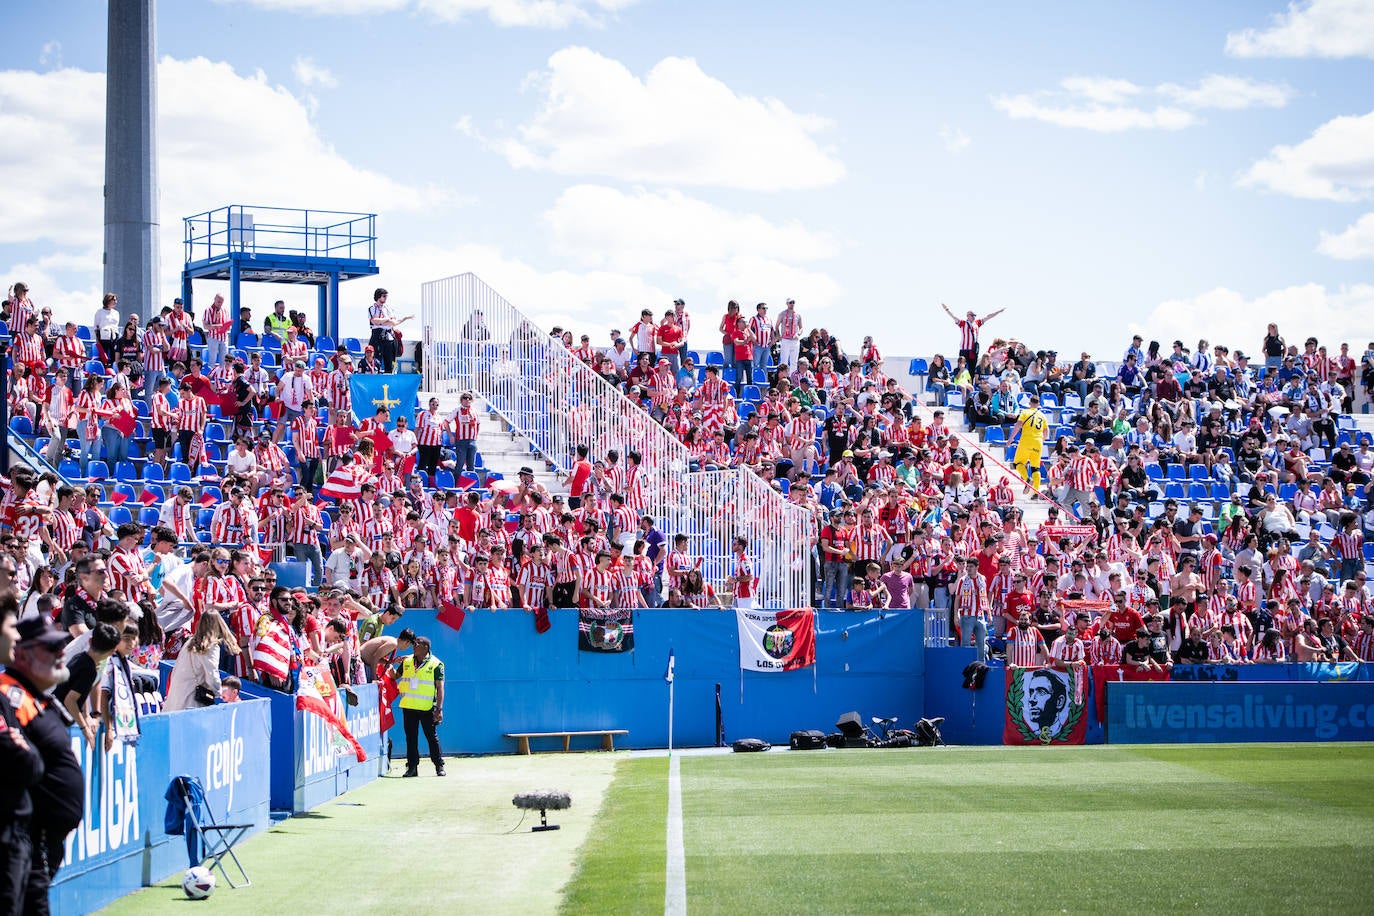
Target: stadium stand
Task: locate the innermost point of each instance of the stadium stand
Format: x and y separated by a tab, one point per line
1226	498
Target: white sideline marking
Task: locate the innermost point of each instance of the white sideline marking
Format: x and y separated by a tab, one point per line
675	894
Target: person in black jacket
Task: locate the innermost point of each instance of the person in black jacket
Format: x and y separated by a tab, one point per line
58	798
23	768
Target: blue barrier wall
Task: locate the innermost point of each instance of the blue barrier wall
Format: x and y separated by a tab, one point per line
503	677
1221	711
306	771
977	716
120	844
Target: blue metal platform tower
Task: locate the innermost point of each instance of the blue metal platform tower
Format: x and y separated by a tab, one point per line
317	248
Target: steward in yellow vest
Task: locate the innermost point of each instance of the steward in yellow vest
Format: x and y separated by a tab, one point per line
420	679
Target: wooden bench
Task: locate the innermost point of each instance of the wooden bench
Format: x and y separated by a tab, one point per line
607	738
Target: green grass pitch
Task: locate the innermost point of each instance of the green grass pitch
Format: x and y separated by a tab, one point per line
1214	828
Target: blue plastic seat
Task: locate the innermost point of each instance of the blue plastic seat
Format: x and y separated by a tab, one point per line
153	472
98	470
215	433
996	435
354	346
918	366
1198	492
147	516
246	340
1198	472
94	367
1154	472
180	472
1221	492
83	332
1174	490
125	471
21	425
1287	491
1178	472
204	517
752	393
120	515
325	345
69	469
714	358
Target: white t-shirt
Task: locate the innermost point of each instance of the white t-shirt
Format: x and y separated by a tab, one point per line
245	464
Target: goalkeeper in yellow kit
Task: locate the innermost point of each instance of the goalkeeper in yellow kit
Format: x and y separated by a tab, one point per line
1031	424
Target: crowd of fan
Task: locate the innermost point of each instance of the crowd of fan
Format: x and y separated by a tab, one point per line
907	515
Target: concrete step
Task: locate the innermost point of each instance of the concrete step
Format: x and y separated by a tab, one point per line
502	449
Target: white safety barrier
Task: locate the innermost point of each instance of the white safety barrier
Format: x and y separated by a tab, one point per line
475	340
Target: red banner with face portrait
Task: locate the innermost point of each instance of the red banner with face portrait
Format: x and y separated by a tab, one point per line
1045	706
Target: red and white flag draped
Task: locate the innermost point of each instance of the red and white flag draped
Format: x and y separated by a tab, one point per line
317	694
776	640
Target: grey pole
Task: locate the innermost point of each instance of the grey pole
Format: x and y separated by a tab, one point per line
131	188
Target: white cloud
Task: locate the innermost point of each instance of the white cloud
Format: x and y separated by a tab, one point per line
1103	90
1317	28
1112	105
675	126
1357	241
51	54
954	139
1229	93
310	74
1225	316
1335	163
547	14
53	182
690	243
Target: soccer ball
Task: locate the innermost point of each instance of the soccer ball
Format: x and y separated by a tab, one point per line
198	883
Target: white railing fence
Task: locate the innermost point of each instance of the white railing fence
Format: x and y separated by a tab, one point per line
475	340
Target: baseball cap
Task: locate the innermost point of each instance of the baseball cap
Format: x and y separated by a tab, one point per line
41	631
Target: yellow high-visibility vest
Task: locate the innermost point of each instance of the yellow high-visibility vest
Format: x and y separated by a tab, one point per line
417	684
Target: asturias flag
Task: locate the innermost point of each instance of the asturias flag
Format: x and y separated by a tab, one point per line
776	640
394	392
1045	706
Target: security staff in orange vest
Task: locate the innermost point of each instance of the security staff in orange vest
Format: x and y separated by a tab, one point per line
22	768
58	798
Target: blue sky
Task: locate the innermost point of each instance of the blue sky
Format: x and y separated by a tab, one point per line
1188	169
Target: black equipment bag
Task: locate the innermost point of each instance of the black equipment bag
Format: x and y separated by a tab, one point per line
834	740
897	740
928	732
808	740
750	745
851	725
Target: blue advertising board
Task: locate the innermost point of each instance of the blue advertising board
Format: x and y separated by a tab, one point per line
307	771
1147	712
120	844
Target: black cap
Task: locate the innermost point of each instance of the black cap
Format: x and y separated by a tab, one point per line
36	630
525	470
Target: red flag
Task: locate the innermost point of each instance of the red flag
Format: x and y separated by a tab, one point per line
407	466
541	621
317	694
466	480
147	498
451	615
118	497
207	499
386	693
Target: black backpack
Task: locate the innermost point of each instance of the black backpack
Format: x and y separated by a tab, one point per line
750	745
809	740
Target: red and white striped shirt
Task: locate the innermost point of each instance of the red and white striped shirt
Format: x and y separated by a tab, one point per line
968	333
535	579
1068	648
216	322
126	567
154	350
429	428
65	529
466	423
164	417
302	522
87	405
28	349
191	412
763	331
1024	647
305	436
70	351
230	524
270	457
339	393
377	585
1348	544
1082	473
598	587
1104	651
181	326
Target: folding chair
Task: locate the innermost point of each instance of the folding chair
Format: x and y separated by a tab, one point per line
206	838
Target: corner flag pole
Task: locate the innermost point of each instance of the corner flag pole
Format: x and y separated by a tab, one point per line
668	676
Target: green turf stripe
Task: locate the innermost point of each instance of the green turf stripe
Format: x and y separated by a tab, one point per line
621	866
